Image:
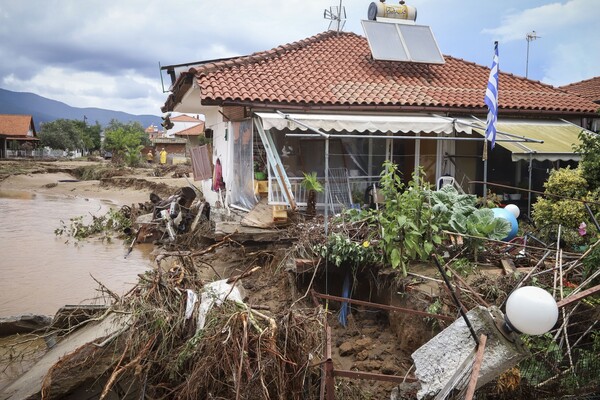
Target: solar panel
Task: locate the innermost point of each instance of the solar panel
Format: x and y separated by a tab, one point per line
402	42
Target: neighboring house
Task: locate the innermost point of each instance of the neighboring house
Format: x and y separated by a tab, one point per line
153	132
175	148
182	123
589	88
17	135
192	136
343	108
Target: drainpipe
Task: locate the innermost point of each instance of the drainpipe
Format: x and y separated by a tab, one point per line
326	184
529	194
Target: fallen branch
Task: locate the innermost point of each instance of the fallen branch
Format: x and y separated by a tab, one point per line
235	278
119	371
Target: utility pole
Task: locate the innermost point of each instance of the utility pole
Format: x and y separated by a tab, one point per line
531	36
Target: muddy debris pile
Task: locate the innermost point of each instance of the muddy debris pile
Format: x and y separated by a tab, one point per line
180	213
186	331
302	315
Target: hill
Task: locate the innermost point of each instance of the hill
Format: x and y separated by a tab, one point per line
46	110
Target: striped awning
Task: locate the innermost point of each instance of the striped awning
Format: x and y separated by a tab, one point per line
558	138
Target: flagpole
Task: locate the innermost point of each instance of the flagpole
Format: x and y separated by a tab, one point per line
485	169
491	101
485	166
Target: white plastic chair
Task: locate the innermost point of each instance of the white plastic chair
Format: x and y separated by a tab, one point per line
445	180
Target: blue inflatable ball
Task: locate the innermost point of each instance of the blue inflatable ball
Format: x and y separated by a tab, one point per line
507	215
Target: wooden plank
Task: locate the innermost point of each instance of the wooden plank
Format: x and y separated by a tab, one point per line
476	368
261	216
508	266
579	296
382	306
240	233
372	376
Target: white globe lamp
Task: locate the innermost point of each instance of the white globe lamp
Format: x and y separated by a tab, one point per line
531	310
513	209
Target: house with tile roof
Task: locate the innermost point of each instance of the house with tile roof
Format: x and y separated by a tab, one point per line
181	123
17	134
589	88
192	135
325	105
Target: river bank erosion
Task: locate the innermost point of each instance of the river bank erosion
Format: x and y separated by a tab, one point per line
175	299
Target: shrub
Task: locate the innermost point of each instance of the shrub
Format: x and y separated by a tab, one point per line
590	158
551	211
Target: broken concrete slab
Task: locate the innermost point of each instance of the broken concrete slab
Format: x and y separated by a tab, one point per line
438	360
30	383
23	324
242	234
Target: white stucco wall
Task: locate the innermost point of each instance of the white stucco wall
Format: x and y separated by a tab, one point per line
221	150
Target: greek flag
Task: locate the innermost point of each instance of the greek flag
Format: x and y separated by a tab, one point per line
491	99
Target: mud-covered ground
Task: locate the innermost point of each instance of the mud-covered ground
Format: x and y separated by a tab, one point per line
373	340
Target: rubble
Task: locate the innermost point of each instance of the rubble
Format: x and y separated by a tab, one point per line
24	323
267	340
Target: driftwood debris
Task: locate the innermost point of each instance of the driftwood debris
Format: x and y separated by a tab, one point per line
508	266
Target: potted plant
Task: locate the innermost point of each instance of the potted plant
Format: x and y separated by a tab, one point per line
312	186
260	170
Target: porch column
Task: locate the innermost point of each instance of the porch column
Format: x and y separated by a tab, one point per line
417	156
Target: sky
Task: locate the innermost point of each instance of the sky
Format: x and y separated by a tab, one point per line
106	53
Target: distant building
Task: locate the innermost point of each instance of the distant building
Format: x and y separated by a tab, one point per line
181	123
153	132
17	135
192	136
588	89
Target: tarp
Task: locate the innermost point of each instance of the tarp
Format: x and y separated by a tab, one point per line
558	136
366	123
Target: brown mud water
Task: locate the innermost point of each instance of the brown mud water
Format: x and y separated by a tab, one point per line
40	272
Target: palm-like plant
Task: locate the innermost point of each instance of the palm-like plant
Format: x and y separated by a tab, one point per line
312	186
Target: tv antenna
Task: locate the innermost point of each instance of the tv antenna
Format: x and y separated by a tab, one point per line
337	15
531	36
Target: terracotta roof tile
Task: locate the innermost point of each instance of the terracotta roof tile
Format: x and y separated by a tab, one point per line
196	130
589	88
185	118
16	125
337	69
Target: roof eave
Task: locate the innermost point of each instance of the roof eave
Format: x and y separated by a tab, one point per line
306	107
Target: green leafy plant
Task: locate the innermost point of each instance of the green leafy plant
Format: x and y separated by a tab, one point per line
464	266
491	200
132	155
590	158
78	229
551	211
341	250
458	213
409	230
312	186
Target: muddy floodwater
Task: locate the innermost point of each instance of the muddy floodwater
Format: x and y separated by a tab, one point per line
40	273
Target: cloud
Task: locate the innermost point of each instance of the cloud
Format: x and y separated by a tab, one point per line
129	91
549	20
106	54
564	52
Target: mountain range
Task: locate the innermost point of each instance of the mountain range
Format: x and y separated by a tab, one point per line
46	110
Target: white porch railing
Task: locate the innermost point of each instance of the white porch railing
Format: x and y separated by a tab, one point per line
358	188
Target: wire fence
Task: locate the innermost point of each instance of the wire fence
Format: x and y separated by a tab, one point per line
550	374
